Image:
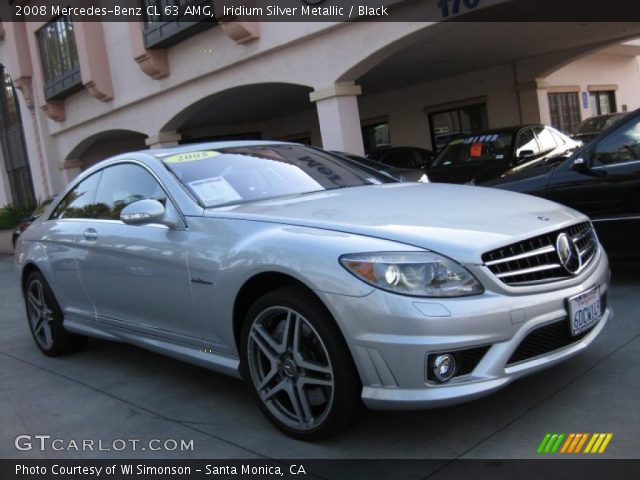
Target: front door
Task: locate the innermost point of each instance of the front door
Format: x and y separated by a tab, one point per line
137	276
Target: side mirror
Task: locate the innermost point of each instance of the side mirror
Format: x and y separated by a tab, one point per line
524	154
580	164
144	212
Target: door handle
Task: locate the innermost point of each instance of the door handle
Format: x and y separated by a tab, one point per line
90	234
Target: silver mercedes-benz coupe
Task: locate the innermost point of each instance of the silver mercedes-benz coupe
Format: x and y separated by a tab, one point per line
322	285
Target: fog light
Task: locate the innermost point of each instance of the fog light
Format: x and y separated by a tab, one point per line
444	367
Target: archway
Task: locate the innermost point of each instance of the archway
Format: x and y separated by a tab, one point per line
103	145
249	112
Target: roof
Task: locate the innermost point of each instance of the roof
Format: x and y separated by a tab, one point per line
195	147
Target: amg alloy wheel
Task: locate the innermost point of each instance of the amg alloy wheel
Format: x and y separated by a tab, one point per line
45	318
292	354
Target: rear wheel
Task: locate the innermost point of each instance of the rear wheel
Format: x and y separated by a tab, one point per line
45	318
298	365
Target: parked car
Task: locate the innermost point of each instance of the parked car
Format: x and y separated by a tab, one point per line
601	180
30	219
591	127
319	285
400	174
402	157
483	156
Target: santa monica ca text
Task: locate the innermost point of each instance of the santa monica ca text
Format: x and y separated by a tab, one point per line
152	470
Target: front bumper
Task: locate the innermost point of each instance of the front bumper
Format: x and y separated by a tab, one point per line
390	336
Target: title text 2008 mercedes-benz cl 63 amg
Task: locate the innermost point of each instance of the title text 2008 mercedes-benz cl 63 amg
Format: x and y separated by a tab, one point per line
323	285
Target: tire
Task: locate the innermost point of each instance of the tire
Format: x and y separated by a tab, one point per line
45	319
298	365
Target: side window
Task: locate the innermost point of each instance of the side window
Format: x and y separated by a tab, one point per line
545	139
559	137
423	157
123	184
527	143
399	158
622	145
78	203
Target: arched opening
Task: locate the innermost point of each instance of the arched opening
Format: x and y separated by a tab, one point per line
461	77
104	145
279	111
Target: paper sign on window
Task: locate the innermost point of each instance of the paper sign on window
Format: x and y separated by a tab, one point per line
476	149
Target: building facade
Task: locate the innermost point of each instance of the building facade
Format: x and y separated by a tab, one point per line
89	90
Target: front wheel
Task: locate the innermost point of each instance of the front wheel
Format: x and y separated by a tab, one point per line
298	365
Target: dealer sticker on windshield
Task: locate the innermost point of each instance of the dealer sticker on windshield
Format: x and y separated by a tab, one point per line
190	156
584	311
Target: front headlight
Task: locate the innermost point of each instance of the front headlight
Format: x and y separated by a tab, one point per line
419	274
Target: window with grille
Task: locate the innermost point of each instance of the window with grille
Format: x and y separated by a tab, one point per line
168	22
12	144
565	111
603	102
59	59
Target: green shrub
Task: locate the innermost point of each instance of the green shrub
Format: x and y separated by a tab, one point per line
11	216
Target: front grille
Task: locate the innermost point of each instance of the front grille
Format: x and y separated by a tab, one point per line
549	337
466	361
536	260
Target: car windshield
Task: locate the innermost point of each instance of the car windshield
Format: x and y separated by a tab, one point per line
250	173
474	148
595	124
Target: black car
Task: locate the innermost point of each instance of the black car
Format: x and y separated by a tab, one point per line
400	174
402	157
591	127
601	179
479	157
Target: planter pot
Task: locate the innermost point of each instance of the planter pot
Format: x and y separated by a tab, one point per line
6	242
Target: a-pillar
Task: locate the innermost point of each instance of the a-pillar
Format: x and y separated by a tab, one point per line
164	139
339	117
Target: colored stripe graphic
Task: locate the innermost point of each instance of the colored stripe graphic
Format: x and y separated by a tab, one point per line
551	442
555	447
543	443
581	443
573	443
598	442
568	442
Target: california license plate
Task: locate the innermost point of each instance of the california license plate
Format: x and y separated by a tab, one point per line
584	311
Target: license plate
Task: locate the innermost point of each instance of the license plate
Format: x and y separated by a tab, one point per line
584	311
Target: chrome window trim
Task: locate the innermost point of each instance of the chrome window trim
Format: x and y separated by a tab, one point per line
100	171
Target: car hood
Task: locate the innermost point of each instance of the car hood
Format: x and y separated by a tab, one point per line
459	221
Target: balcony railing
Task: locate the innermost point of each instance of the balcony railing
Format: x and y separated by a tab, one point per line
59	59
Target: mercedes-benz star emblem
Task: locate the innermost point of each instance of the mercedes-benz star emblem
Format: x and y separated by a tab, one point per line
568	254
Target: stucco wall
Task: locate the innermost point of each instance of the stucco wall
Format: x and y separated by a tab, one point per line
598	69
408	121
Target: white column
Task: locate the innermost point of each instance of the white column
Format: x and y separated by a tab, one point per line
532	97
339	117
